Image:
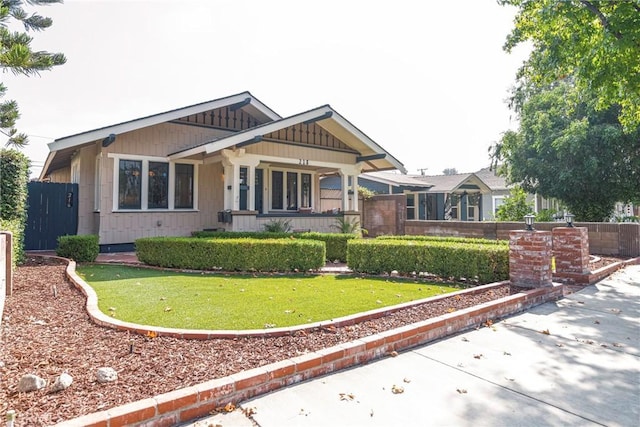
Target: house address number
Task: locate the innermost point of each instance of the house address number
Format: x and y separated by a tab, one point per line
303	161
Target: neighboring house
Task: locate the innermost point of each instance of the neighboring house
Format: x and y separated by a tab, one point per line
463	197
377	182
500	190
429	197
230	163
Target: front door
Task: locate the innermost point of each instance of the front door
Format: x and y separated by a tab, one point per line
472	213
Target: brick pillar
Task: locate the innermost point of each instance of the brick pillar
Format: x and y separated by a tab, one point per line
571	250
530	258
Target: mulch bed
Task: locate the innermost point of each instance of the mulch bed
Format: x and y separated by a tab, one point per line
46	331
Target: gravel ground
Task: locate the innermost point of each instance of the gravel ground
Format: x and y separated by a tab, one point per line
46	331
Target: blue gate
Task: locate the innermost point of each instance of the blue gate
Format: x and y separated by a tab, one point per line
52	212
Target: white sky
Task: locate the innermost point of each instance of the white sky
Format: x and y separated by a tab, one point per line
427	80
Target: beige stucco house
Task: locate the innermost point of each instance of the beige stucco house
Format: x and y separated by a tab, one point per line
231	163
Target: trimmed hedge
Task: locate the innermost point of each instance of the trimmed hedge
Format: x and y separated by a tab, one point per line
471	261
335	243
231	254
451	239
17	229
240	235
80	248
14	176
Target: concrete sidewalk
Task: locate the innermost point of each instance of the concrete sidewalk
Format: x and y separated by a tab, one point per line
574	362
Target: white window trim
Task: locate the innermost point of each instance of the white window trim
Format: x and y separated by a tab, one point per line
144	197
284	187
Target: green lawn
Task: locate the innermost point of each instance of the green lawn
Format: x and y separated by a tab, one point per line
219	301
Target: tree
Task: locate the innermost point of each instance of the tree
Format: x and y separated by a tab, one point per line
16	55
596	42
567	149
450	171
515	206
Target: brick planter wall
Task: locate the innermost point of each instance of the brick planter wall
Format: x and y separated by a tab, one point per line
384	214
571	250
530	258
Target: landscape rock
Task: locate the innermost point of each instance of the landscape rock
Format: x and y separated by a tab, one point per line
106	375
63	382
30	383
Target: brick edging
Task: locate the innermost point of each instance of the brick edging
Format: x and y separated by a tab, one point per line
104	320
196	401
594	276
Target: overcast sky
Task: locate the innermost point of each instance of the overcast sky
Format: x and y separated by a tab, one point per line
427	80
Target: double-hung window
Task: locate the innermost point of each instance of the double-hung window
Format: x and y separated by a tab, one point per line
153	184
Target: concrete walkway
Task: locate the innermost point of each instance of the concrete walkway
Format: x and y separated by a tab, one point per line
575	362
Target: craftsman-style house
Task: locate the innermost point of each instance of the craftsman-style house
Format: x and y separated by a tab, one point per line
231	163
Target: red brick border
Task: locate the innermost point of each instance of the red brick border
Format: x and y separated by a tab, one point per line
104	320
196	401
594	276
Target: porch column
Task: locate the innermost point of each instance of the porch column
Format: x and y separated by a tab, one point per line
345	191
251	163
235	188
228	183
251	182
354	186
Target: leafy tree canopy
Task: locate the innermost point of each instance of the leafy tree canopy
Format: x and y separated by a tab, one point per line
597	42
16	55
567	149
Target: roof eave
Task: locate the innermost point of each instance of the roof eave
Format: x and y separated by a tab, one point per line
101	133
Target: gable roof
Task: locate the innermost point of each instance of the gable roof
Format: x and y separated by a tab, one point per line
396	179
61	149
369	152
450	183
494	181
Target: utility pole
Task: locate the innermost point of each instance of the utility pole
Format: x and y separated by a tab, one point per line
422	170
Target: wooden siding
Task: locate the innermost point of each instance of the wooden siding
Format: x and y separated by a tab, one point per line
159	140
309	135
126	227
296	152
162	139
61	175
322	224
86	190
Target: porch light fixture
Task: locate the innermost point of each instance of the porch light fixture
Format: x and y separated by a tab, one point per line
568	218
528	220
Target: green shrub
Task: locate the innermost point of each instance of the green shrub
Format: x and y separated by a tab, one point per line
335	243
348	226
278	226
232	254
546	215
471	261
82	248
17	229
14	176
